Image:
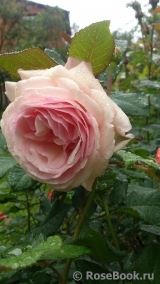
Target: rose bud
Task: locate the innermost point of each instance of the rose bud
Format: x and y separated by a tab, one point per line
158	156
2	216
136	5
139	14
50	194
117	55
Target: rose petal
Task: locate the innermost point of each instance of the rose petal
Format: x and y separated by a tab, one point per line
10	90
82	70
81	98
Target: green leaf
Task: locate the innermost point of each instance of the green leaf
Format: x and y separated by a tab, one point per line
151	229
45	205
94	44
131	103
128	262
150	84
3	144
15	209
118	193
148	262
4	184
4	276
143	196
79	198
131	159
41	277
54	223
47	250
109	178
151	127
100	249
137	56
54	219
116	67
129	210
19	180
149	214
53	54
29	59
136	174
57	207
7	197
6	163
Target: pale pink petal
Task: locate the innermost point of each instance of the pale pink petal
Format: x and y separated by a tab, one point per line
121	121
10	90
86	101
26	74
121	141
122	125
105	104
61	72
47	92
33	83
83	71
88	184
74	62
40	126
71	157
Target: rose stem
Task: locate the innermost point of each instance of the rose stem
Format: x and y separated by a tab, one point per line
28	214
109	85
109	220
79	227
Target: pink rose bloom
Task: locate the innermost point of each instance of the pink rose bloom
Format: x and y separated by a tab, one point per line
158	156
61	127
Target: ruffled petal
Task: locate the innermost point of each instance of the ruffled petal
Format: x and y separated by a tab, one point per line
10	90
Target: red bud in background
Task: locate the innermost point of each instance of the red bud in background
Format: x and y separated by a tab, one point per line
50	193
158	156
2	216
